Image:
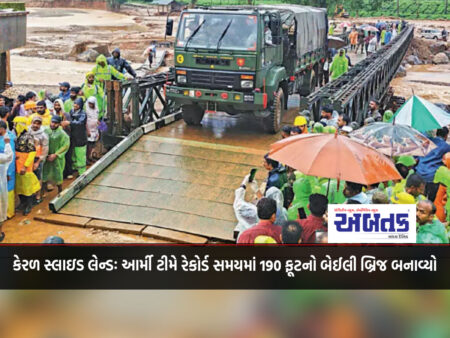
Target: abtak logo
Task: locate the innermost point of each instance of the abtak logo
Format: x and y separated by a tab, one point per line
363	220
378	223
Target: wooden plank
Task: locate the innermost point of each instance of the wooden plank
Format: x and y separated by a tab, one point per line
169	187
151	146
76	221
212	167
191	206
166	219
83	180
175	236
177	174
126	228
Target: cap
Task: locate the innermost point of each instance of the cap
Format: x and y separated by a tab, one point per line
36	118
56	119
300	121
65	84
75	89
403	198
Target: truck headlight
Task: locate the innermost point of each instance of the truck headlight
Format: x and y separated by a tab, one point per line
246	84
181	79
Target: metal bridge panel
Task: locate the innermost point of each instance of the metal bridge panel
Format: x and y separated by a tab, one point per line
180	185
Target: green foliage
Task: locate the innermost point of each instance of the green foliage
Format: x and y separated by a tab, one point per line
17	6
409	9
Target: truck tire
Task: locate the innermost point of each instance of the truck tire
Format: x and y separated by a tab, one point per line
272	123
192	114
309	83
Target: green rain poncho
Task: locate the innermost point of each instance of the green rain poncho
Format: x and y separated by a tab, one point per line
432	233
95	90
105	73
335	196
303	187
59	143
339	66
318	128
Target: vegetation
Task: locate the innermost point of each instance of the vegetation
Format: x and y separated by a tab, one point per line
17	6
409	9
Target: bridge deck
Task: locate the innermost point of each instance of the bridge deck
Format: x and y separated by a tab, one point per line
181	185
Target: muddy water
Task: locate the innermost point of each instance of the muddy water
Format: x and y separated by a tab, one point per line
432	82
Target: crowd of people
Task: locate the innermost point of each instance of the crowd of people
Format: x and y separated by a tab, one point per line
46	138
291	207
366	39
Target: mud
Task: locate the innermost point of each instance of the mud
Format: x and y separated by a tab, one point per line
56	33
432	82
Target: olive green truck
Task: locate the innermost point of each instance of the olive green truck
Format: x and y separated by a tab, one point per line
247	59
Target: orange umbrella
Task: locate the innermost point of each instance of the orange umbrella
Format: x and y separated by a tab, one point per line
334	156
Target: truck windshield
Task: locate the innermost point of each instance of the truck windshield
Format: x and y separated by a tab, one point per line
229	31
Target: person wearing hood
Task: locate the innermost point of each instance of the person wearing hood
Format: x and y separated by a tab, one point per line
387	116
92	126
245	212
41	144
58	110
64	92
120	64
5	159
78	135
281	214
68	104
42	112
59	143
104	72
11	171
339	65
27	184
92	89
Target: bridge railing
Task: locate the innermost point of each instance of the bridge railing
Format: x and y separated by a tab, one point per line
368	79
134	103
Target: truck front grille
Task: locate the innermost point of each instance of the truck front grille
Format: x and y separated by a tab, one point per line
213	79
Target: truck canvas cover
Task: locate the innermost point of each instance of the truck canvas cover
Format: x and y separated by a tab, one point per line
311	25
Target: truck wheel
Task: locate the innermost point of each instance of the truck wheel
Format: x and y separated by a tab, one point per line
309	83
273	121
192	114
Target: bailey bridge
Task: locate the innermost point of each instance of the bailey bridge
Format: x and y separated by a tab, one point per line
165	180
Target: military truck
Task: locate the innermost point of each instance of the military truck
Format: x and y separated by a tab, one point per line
246	59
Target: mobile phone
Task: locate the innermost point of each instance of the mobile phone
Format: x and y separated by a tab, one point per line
252	174
301	213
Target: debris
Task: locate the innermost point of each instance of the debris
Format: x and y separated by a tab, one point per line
88	56
438	47
401	72
440	59
413	60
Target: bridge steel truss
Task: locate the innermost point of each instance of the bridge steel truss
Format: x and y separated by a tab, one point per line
370	78
136	102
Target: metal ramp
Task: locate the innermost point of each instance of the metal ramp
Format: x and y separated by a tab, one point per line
181	185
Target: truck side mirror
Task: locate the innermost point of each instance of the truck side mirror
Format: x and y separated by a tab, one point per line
169	27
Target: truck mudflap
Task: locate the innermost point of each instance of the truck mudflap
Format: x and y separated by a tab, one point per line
243	100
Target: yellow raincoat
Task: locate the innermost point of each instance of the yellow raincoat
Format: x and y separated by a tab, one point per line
26	184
